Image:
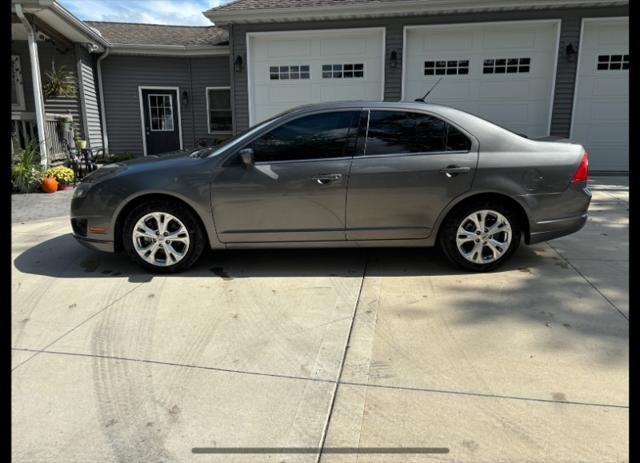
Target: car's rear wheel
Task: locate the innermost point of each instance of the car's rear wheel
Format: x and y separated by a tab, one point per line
163	237
480	236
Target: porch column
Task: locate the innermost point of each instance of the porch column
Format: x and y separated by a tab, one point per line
37	86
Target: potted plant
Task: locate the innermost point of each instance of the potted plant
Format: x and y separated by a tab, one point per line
60	82
80	143
63	175
25	175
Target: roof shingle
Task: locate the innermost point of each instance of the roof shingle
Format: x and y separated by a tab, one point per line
160	34
268	4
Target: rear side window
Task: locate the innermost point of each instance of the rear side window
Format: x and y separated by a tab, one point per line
398	132
318	136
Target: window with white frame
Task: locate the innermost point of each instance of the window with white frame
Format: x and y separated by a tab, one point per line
343	71
161	113
219	110
17	85
297	72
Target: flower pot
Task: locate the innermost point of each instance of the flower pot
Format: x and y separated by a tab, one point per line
81	144
62	186
49	185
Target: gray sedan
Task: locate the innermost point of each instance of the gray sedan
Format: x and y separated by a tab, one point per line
346	174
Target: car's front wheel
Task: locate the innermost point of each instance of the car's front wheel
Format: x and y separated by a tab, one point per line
163	237
480	236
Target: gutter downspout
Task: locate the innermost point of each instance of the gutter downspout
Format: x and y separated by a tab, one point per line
103	117
37	86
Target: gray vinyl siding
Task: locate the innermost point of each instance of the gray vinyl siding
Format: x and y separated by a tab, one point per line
563	97
87	89
121	77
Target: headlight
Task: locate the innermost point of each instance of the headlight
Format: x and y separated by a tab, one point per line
81	190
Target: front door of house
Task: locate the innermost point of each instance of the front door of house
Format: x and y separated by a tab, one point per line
161	120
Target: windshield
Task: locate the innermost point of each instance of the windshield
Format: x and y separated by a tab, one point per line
233	141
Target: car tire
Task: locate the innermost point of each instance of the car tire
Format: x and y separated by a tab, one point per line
480	252
176	248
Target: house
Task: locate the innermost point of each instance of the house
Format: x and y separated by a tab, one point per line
538	67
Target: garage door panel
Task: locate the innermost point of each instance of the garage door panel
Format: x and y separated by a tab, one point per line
601	104
527	84
349	50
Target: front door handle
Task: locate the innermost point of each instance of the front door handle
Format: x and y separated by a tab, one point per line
452	171
323	179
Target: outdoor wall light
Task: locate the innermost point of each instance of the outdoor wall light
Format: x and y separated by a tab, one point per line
237	64
394	59
185	97
570	51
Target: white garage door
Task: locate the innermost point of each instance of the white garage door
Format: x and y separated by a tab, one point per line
601	105
504	72
293	68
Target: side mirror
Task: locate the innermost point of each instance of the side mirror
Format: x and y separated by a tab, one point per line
247	157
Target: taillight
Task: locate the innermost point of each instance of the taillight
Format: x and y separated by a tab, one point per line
582	174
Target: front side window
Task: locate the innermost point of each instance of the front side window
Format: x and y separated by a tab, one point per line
219	104
397	132
317	136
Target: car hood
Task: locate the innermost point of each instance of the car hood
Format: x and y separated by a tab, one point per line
168	162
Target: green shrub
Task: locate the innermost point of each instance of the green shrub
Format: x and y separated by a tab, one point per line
25	175
62	174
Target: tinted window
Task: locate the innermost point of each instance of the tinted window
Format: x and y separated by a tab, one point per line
396	132
456	140
327	135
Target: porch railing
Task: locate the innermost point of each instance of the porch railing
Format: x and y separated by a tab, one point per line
57	128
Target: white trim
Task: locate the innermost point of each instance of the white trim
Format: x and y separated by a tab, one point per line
155	87
555	76
206	95
575	85
222	16
556	22
18	83
295	33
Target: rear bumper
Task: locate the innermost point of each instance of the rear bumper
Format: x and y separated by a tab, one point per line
551	229
96	245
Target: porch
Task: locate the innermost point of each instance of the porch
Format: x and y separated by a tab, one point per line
58	134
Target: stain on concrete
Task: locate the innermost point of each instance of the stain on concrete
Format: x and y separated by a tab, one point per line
525	270
566	325
110	423
471	445
559	396
151	296
73	306
221	273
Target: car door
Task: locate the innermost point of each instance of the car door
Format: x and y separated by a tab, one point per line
413	165
296	190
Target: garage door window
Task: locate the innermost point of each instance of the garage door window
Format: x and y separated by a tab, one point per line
298	72
506	65
219	110
448	67
395	132
613	62
318	136
342	71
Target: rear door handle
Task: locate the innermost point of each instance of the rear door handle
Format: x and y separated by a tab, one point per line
452	171
323	179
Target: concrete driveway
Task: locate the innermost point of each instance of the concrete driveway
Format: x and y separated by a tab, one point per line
332	349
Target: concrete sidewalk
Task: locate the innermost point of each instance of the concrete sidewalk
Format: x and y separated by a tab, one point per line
321	348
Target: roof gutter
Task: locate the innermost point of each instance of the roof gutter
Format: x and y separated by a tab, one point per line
221	16
103	117
169	50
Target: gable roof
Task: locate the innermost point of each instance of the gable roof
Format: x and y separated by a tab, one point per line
261	11
159	34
